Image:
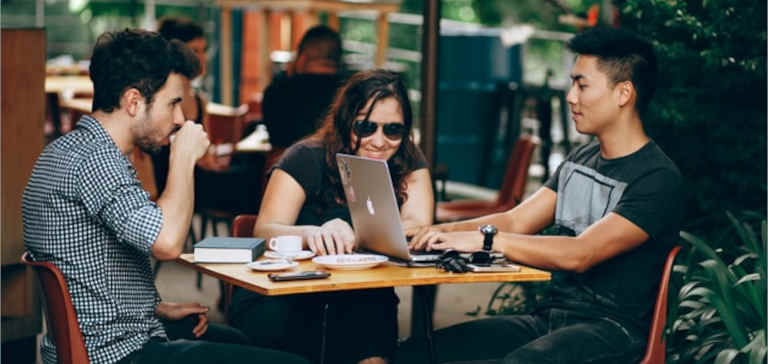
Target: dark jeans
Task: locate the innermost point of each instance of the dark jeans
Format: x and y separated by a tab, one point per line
546	336
358	324
219	344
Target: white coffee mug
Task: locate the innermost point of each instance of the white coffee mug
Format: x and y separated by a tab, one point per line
285	243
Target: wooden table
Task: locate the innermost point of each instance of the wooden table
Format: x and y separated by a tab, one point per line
73	84
64	87
386	275
80	105
254	143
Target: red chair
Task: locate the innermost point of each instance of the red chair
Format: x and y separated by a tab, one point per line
655	353
242	226
61	319
510	194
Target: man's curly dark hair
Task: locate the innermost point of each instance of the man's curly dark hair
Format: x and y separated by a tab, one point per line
184	60
131	58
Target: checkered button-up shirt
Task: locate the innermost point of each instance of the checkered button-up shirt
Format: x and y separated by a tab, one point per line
85	211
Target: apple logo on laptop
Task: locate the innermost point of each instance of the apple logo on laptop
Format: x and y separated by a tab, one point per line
369	204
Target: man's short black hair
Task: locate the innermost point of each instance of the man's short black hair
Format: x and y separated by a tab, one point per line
182	29
321	42
184	61
131	58
623	56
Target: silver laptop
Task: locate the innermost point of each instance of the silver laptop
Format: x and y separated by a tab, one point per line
373	207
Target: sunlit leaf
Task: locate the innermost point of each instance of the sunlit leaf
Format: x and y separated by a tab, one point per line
749	278
726	356
679	268
691	304
756	349
744	257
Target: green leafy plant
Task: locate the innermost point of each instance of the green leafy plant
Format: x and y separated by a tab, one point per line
709	110
513	298
719	314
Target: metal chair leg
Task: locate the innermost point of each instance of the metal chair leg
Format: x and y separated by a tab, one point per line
199	281
215	221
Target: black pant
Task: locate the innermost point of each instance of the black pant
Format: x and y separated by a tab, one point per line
219	344
547	336
358	324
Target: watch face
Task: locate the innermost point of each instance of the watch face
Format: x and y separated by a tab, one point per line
488	229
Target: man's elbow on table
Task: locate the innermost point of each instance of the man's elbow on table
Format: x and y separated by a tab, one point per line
163	249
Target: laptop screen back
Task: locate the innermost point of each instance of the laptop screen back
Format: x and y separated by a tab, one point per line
372	205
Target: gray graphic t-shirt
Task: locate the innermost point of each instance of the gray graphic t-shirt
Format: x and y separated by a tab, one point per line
643	187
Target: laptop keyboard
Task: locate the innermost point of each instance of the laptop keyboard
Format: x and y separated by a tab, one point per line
426	256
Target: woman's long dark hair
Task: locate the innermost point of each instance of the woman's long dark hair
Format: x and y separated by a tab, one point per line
335	134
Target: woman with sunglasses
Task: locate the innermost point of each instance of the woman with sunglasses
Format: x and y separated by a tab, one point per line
370	117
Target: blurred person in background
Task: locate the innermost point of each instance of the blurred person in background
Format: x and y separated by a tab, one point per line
295	103
194	103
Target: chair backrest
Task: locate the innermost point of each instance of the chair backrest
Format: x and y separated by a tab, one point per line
655	353
516	175
242	226
61	319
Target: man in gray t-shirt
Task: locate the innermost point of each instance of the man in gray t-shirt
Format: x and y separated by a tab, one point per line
616	207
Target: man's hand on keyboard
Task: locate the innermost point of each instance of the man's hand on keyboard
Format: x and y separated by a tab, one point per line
418	236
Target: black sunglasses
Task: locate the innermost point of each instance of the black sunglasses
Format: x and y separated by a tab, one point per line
365	128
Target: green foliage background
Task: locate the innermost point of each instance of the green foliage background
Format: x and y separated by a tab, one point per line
709	113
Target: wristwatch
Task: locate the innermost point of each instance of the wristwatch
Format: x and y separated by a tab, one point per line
488	232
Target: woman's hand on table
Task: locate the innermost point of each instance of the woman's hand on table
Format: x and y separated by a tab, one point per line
333	237
177	311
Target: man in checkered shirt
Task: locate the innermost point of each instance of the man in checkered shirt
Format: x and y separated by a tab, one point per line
85	211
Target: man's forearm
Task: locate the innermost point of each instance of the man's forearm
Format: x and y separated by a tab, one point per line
529	217
177	203
501	220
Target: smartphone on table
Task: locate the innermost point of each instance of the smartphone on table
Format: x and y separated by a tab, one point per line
504	267
298	276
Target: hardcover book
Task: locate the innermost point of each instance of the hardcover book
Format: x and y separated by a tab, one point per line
229	250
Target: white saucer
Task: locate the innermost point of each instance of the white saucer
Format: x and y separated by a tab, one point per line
271	265
350	261
299	255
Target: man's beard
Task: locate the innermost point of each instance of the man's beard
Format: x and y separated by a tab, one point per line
146	145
